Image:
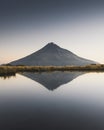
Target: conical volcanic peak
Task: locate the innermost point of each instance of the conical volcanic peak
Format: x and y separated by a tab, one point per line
51	47
52	44
52	55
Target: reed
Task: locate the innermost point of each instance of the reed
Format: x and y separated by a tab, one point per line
12	70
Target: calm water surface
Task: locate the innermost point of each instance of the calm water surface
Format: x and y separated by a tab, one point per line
52	101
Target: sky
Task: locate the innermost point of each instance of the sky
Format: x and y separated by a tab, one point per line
28	25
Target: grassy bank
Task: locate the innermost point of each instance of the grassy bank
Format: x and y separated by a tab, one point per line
12	70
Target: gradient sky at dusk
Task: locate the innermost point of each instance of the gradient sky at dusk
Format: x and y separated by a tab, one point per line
28	25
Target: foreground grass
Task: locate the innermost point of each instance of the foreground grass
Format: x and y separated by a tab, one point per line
12	70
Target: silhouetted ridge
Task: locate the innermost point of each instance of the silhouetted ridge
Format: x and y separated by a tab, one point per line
52	55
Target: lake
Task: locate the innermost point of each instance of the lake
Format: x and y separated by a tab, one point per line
52	101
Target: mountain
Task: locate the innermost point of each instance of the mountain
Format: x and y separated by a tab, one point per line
52	80
53	55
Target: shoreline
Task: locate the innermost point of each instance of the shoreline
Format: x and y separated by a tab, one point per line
12	70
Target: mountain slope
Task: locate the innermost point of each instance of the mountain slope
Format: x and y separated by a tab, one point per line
52	54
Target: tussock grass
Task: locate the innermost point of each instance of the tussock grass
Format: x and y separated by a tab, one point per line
12	70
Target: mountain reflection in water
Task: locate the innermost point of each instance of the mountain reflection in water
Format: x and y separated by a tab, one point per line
53	80
26	105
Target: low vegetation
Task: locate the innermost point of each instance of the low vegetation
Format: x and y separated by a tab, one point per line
12	70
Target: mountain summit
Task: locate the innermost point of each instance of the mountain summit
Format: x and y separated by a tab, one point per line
52	55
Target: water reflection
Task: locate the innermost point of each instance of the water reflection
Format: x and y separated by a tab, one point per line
53	80
26	105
